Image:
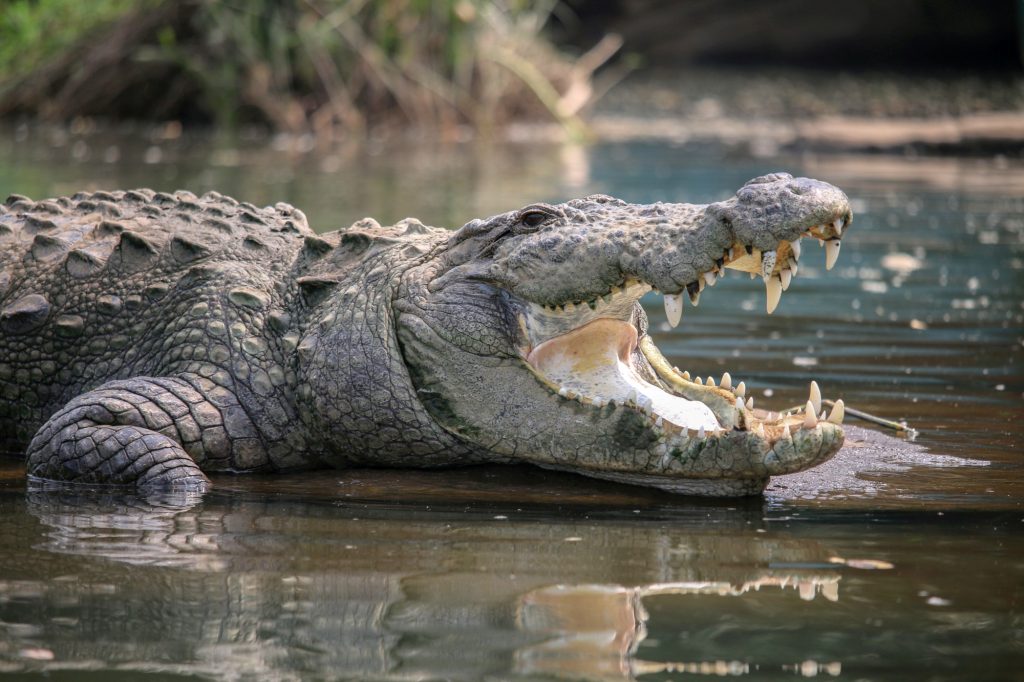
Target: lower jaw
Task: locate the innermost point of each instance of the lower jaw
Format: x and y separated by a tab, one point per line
732	453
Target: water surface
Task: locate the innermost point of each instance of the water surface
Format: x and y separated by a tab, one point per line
911	567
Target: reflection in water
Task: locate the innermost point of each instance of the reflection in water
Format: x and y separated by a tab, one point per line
150	532
600	627
293	590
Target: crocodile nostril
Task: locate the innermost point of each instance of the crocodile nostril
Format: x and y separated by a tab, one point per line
797	189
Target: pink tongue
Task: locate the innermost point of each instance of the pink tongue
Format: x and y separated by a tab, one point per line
593	360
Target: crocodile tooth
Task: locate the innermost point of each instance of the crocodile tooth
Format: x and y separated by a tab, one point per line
821	242
711	381
793	266
726	381
822	417
785	433
673	308
695	299
838	412
564	392
768	259
633	397
773	291
810	421
752	275
741	389
686	375
794	246
739	403
700	433
831	253
759	430
785	276
750	403
830	591
837	225
710	278
698	381
807	590
659	422
815	397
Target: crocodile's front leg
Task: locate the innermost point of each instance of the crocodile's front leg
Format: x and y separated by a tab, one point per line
152	433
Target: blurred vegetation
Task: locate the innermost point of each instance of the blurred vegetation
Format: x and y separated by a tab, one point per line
33	30
329	67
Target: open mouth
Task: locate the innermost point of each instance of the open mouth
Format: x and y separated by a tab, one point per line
597	353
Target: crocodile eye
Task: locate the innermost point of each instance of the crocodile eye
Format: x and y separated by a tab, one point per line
534	218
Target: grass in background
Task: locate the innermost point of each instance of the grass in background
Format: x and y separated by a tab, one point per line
330	67
32	31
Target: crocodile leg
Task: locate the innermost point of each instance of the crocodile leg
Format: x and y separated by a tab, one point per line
152	433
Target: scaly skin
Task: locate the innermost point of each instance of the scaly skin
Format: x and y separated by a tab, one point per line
148	338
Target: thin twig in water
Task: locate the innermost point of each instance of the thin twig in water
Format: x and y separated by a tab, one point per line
865	416
888	423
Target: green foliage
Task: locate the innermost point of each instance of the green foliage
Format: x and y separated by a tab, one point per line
321	66
347	59
32	31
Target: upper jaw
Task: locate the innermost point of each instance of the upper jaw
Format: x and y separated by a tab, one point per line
681	269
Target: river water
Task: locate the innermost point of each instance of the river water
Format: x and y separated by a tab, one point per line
911	567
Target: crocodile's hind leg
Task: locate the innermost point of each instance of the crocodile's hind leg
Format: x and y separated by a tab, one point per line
152	433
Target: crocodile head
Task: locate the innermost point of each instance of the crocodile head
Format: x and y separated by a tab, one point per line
524	335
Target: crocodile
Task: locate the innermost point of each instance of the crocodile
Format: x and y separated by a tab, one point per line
150	338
